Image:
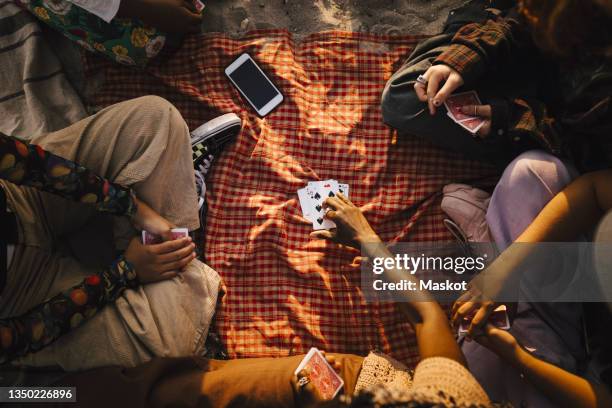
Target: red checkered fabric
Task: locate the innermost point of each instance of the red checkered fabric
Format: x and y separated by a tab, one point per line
284	291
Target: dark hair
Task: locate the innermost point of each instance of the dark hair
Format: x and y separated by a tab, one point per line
570	27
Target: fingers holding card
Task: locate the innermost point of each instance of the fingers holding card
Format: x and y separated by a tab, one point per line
321	374
313	196
153	239
454	105
199	5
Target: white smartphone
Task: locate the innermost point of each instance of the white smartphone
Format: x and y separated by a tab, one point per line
254	85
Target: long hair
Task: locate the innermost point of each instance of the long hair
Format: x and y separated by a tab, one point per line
570	27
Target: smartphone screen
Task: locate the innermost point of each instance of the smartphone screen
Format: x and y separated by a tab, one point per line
253	84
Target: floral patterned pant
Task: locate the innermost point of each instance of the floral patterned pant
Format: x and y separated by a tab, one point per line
127	41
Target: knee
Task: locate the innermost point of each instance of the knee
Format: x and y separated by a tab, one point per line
536	169
157	107
153	104
399	103
158	112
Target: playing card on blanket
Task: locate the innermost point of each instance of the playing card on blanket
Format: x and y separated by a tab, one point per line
321	374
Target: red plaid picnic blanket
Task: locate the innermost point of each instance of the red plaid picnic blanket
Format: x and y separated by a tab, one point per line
284	291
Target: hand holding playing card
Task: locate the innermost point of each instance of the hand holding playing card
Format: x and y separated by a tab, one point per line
499	341
432	91
483	112
148	220
312	197
352	228
158	262
316	378
466	110
471	304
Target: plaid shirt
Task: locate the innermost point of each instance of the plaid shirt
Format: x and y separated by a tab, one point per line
478	48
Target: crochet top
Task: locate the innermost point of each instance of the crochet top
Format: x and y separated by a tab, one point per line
436	381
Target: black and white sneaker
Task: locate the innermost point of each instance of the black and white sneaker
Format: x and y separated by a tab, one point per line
206	142
210	138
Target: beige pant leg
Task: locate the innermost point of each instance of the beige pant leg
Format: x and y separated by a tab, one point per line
164	319
143	143
42	265
253	382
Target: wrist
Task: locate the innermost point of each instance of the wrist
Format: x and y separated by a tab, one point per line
132	209
126	271
368	237
519	357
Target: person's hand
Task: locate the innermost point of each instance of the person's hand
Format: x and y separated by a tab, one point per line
499	341
432	93
308	395
146	219
172	16
158	262
481	111
352	228
471	303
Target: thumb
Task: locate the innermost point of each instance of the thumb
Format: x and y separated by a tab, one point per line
190	5
308	395
483	111
167	235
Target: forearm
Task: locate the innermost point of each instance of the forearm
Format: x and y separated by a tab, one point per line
435	337
564	388
48	321
432	328
30	165
572	212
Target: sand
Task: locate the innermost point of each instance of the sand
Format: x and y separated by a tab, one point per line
236	17
301	17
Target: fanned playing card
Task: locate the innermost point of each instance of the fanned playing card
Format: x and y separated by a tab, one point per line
344	189
153	239
306	203
312	198
321	374
454	103
472	125
325	189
